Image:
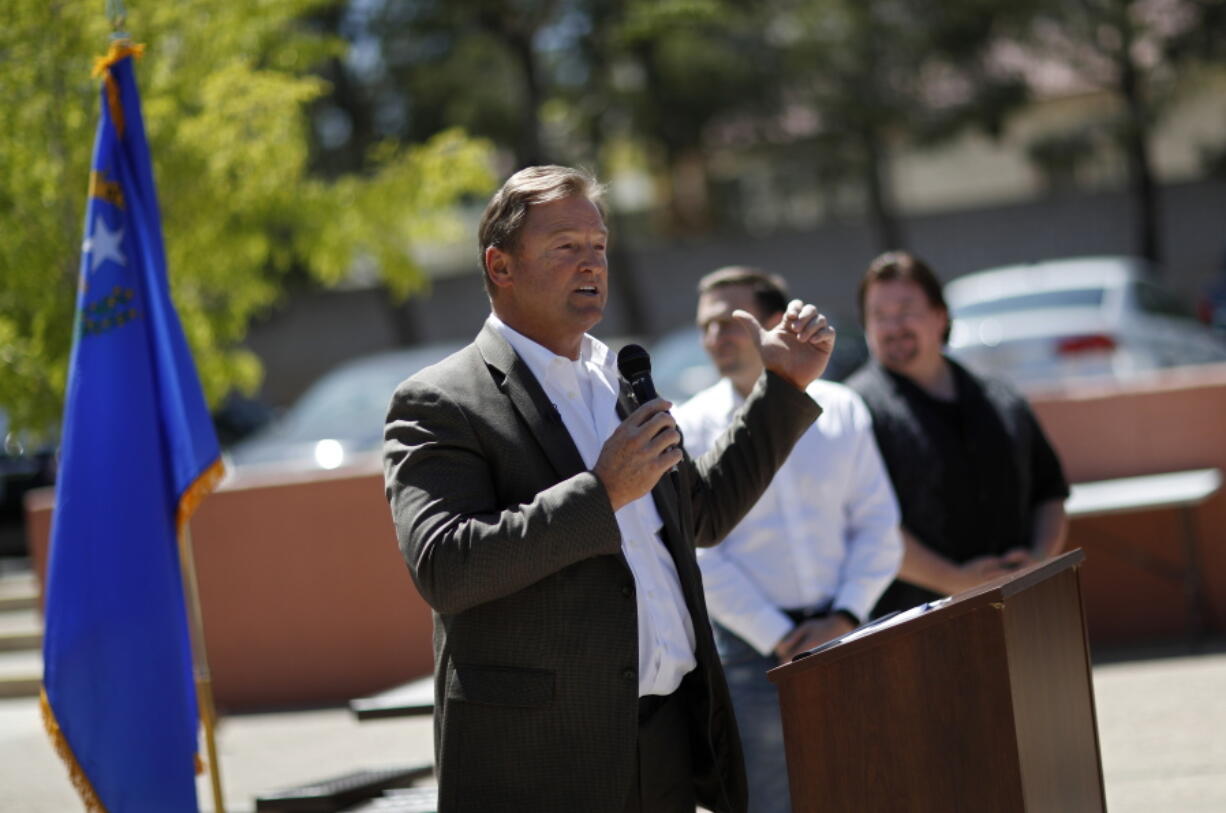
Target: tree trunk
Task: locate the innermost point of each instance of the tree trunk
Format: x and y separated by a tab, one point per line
886	227
1140	168
689	200
528	150
624	280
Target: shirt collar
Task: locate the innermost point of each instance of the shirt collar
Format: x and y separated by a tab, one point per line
729	399
909	389
540	358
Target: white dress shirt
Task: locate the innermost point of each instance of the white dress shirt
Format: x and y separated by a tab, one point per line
584	392
823	535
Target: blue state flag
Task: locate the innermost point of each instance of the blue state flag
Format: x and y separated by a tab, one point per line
138	453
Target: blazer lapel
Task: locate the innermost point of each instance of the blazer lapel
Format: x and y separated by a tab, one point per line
525	393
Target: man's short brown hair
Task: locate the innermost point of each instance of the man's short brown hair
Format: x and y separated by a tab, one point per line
506	212
770	292
903	265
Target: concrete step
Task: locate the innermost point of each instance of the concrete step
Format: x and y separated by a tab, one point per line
21	673
21	630
18	591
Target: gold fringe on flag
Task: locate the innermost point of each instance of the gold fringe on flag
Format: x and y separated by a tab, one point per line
102	67
77	776
197	491
188	504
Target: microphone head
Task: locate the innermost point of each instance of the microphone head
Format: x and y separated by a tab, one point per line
635	366
633	362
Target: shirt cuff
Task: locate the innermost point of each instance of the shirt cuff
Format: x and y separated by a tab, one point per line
858	599
763	630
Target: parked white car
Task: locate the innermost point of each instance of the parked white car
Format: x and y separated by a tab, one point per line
1052	321
339	419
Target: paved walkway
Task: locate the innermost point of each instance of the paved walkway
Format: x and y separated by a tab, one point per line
1161	727
1162	733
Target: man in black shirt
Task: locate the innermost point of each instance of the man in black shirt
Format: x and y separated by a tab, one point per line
980	489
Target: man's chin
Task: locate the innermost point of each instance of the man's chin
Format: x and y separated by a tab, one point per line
899	352
589	316
899	362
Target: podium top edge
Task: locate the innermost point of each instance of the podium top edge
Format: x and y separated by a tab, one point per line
1015	582
992	592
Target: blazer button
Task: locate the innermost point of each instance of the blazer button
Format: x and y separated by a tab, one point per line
629	674
627	591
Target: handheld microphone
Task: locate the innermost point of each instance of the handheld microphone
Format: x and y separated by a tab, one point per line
635	366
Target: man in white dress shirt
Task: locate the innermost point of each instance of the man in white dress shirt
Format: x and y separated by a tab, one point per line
812	557
550	522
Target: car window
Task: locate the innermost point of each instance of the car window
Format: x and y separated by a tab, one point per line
1069	298
679	365
1155	300
350	404
16	442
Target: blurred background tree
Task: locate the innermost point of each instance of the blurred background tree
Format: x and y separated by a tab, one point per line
877	73
554	80
226	89
306	143
1142	52
415	68
686	67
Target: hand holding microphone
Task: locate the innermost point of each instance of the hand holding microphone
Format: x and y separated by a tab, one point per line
634	364
646	445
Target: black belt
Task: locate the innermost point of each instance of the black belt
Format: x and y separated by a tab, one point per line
800	616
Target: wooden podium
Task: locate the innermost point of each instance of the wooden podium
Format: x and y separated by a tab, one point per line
979	702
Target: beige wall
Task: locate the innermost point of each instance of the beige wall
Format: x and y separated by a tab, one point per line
975	169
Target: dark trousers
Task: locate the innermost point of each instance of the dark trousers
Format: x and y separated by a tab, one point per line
663	780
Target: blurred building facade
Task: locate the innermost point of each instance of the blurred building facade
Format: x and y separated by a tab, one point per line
1051	184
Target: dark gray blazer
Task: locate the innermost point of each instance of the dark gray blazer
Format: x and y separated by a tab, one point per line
514	544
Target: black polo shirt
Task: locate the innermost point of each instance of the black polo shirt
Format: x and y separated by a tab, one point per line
968	473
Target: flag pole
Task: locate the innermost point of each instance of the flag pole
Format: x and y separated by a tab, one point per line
117	14
200	663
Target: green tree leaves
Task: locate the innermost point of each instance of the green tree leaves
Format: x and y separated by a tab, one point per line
225	91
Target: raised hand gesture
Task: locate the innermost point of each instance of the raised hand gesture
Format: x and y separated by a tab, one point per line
798	348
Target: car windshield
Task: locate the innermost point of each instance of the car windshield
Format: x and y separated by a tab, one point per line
19	441
348	405
351	402
1069	298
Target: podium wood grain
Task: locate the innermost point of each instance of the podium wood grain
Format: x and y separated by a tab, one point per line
983	704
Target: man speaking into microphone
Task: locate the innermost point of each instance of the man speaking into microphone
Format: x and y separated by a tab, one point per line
574	664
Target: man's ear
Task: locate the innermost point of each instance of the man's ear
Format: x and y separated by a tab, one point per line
773	319
497	267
